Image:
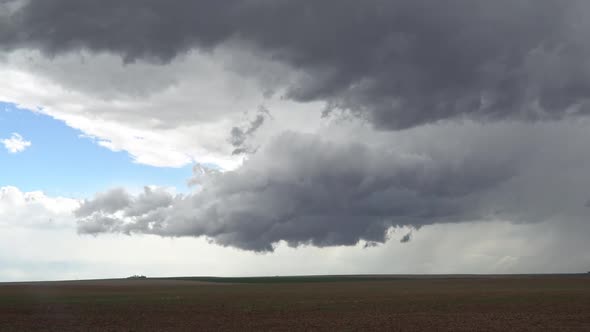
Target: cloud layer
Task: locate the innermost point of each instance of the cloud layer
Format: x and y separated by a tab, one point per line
397	63
471	110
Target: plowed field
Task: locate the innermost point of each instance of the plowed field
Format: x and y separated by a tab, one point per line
392	303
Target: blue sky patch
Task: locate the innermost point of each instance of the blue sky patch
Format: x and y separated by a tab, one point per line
60	161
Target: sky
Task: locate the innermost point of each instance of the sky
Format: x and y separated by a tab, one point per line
250	137
70	157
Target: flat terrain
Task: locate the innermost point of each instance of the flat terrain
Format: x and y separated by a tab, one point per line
353	303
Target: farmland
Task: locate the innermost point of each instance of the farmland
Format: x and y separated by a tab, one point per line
344	303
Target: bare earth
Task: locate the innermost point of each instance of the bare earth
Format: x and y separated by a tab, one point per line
358	303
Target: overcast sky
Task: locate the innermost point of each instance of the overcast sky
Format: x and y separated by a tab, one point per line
259	137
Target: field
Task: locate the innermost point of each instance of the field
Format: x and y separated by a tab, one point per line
352	303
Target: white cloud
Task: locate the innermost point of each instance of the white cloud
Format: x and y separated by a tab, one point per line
16	143
34	209
162	115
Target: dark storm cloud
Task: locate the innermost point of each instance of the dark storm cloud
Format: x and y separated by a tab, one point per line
398	63
311	189
304	190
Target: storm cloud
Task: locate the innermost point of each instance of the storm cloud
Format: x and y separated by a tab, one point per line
396	63
304	190
475	112
308	190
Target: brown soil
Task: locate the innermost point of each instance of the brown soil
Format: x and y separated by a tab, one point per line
547	303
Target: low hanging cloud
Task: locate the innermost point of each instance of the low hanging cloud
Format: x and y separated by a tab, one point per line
304	190
16	143
397	63
307	190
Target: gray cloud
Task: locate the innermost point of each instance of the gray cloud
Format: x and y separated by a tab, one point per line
406	238
397	63
108	202
120	201
307	190
239	136
98	224
147	201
